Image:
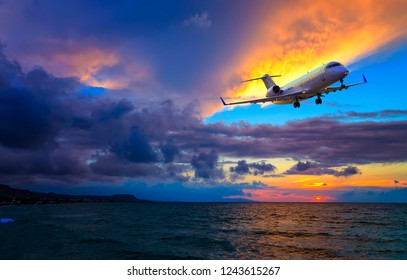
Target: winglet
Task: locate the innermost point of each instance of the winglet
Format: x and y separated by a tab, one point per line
223	101
364	78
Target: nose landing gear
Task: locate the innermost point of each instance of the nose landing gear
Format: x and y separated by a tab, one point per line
318	100
343	85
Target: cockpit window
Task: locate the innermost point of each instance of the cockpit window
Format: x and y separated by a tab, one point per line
332	65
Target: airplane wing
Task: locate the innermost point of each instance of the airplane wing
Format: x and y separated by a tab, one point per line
333	89
253	101
263	100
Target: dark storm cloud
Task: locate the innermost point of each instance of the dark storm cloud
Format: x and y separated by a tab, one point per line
241	168
313	168
48	128
170	151
46	161
114	110
303	166
32	109
206	165
347	171
134	149
252	168
114	166
328	142
261	168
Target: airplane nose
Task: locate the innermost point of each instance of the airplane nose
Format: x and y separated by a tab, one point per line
346	70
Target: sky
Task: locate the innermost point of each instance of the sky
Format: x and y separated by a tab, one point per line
105	97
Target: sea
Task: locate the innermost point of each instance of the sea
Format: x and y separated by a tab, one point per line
132	231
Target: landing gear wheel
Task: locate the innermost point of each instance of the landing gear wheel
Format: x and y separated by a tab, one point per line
342	84
296	104
318	101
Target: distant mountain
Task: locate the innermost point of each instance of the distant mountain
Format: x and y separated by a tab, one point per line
9	195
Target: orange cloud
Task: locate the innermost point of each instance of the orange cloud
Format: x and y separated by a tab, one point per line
88	62
85	63
297	36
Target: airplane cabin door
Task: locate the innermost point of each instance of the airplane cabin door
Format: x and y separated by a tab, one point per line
322	76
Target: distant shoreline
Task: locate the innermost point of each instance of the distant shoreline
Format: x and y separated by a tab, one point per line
12	196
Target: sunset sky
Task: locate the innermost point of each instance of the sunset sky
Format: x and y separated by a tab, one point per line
105	97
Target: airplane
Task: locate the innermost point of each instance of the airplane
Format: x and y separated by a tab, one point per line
315	83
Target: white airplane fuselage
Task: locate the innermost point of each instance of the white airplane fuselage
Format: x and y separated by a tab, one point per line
311	83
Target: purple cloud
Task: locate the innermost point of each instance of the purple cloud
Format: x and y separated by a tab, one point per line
205	165
357	143
313	168
170	151
134	149
347	171
382	114
32	105
243	168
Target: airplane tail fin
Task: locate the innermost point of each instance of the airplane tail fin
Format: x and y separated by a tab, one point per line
267	80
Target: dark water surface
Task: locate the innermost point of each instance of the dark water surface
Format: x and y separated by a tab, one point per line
205	231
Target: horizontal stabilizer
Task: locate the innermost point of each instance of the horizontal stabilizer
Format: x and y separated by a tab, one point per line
260	78
266	78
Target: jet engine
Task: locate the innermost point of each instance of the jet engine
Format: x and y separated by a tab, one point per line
276	89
